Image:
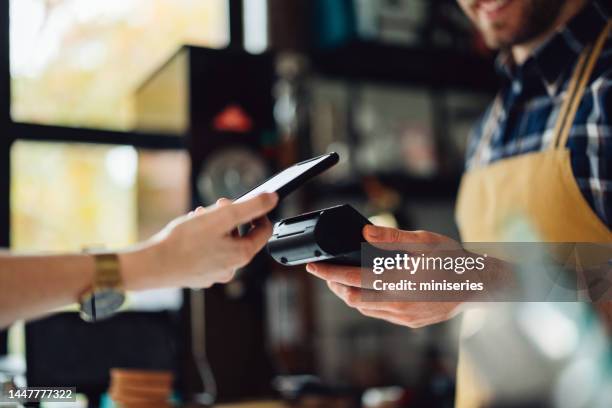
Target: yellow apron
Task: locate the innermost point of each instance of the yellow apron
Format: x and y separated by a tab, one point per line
538	188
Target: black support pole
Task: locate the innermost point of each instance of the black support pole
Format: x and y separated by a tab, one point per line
5	119
236	11
5	140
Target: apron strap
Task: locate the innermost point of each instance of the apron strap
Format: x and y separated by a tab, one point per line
577	86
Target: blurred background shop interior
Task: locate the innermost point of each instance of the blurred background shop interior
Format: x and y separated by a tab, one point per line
119	115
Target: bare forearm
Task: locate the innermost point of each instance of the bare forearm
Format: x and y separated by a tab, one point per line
195	250
31	286
34	285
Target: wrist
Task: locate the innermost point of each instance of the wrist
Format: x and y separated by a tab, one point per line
141	266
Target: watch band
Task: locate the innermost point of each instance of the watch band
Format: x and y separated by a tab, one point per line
106	294
107	273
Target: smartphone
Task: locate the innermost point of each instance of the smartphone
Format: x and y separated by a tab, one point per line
290	179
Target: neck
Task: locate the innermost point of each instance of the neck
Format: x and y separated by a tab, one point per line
520	52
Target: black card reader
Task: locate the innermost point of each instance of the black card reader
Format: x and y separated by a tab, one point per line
332	235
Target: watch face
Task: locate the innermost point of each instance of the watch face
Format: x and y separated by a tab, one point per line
106	303
229	173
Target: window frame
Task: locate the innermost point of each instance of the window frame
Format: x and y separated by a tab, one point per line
11	131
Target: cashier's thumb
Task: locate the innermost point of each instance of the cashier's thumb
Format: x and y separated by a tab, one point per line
373	233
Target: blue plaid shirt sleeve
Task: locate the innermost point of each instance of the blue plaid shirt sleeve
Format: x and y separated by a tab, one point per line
596	183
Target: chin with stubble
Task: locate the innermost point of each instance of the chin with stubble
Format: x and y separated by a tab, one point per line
505	23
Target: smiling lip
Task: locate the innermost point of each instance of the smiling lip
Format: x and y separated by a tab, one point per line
491	9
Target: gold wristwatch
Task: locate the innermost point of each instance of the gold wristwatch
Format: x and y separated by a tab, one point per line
106	295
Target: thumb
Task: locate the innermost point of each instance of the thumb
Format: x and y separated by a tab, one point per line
396	239
375	234
222	202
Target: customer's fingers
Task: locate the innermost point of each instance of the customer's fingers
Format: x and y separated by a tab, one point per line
262	222
228	217
260	233
251	243
199	210
222	202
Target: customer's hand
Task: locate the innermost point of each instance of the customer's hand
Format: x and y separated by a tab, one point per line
345	282
201	248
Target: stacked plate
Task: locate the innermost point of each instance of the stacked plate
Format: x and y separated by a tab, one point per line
131	388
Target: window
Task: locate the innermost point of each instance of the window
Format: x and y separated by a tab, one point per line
78	62
255	25
67	196
83	63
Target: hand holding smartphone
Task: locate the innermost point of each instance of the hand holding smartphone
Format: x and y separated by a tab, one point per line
289	180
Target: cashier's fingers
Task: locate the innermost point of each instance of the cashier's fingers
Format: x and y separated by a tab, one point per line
349	294
389	311
414	321
227	217
346	275
390	317
410	314
353	297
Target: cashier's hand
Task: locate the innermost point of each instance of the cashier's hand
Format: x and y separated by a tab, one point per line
345	282
202	248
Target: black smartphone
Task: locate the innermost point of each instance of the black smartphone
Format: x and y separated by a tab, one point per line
291	178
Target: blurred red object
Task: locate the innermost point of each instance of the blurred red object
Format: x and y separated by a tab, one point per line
233	119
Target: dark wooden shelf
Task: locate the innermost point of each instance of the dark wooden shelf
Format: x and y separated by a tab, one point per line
368	61
436	188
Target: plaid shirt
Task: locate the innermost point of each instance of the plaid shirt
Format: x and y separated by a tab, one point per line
530	101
